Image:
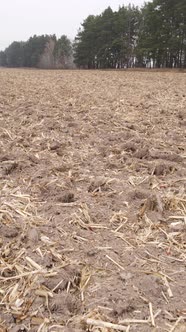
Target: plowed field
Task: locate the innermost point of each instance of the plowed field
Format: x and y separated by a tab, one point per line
92	201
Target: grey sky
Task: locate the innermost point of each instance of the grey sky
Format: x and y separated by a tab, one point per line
20	19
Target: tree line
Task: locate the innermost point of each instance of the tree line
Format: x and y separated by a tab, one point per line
151	36
29	53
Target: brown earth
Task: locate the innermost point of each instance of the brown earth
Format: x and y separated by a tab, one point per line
93	201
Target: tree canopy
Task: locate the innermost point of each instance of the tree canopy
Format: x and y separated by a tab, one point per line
28	54
154	35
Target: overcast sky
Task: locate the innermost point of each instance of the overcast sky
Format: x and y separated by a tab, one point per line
20	19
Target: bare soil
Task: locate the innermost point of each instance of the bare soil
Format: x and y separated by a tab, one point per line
93	201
